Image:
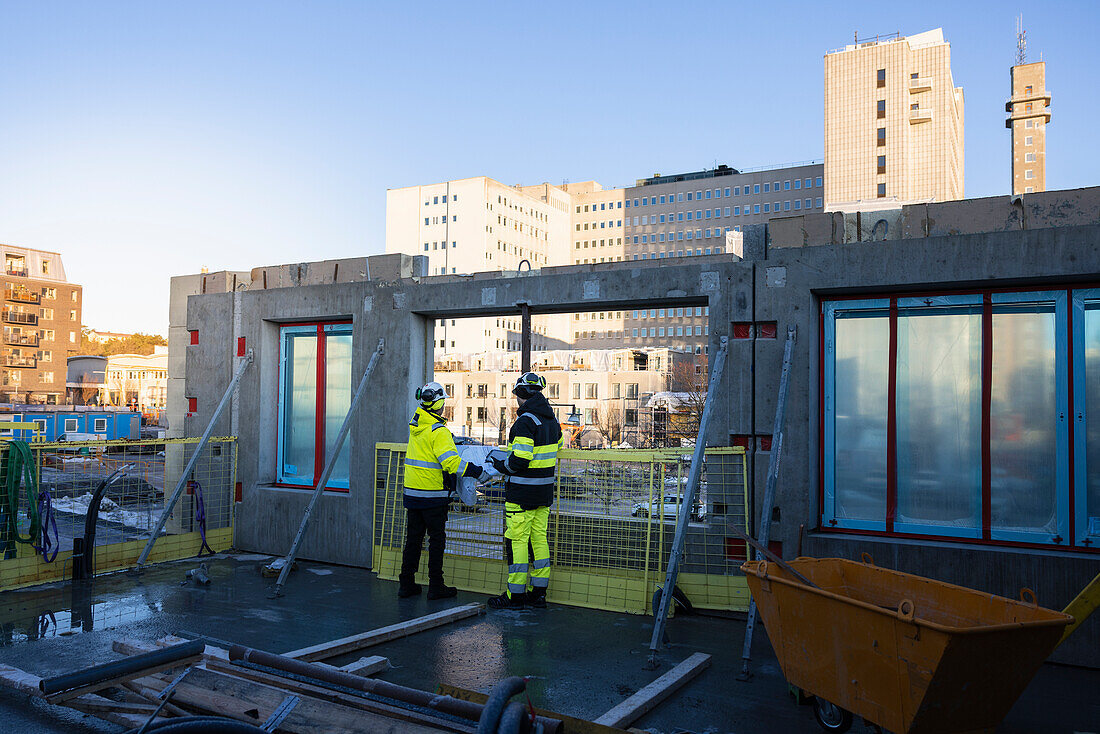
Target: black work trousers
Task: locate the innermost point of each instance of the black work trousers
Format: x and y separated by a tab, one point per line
434	521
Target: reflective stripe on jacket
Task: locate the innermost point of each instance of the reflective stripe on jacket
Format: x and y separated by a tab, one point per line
533	444
431	451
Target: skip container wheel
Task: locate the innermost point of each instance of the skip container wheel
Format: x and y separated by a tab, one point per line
831	717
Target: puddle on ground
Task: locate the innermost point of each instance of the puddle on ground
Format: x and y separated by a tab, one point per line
36	615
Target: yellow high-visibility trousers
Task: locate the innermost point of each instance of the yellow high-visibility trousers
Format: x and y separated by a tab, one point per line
523	528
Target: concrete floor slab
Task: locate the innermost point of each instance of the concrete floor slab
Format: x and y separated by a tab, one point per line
581	662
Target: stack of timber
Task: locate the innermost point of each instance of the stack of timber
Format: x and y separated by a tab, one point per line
297	692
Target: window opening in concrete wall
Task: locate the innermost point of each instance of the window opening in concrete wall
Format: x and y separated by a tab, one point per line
949	416
598	364
315	384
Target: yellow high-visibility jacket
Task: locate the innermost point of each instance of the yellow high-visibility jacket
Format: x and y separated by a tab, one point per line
430	453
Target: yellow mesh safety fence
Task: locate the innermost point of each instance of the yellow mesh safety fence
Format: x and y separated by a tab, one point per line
129	508
611	528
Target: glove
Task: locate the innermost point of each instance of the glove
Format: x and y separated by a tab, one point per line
500	465
485	476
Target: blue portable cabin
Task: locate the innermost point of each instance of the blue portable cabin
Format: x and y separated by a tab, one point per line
110	424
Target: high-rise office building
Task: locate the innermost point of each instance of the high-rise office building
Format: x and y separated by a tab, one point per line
476	225
1028	116
41	317
686	215
893	123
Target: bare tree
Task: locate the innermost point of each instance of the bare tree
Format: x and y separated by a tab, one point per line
609	423
688	379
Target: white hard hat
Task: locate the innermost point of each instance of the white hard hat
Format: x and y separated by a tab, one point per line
431	395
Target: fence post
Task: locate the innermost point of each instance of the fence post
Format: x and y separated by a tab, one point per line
171	503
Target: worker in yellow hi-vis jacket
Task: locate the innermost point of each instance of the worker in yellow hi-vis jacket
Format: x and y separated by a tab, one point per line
529	470
432	465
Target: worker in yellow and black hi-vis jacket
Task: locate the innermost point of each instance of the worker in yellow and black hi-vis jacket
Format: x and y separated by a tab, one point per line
529	470
432	465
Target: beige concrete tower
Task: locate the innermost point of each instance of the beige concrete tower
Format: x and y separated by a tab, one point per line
893	123
1028	116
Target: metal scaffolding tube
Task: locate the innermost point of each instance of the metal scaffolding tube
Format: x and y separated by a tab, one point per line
330	464
171	503
688	503
769	489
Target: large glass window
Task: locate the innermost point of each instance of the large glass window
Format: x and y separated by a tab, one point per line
1027	417
939	416
857	372
314	397
950	416
1086	415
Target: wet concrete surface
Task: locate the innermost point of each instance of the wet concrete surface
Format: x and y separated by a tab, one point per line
580	662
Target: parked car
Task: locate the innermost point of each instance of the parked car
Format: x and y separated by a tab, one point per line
467	441
670	508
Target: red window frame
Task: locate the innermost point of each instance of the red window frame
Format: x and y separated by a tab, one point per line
319	406
1070	546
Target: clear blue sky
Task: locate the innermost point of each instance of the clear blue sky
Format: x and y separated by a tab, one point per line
149	139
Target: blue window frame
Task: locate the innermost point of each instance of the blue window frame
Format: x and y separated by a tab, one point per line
950	416
939	416
1086	415
856	337
314	397
1029	430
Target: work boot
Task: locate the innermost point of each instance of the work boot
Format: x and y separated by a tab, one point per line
537	598
439	591
406	590
507	602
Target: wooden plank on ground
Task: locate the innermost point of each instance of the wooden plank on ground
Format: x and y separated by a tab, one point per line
572	724
367	666
150	695
19	680
92	703
251	701
119	679
385	634
126	646
325	694
647	699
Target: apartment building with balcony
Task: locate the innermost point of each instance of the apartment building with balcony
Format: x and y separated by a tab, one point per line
893	123
41	322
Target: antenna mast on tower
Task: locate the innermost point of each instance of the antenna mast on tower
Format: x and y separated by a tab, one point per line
1021	41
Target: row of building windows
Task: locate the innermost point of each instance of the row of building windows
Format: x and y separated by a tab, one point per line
603	225
604	206
440	199
697	234
640	333
651	313
736	211
679	253
584	243
15	377
746	190
428	221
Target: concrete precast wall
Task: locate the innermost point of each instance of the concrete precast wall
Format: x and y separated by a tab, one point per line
785	287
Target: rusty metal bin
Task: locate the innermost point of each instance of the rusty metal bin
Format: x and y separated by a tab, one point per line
907	653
